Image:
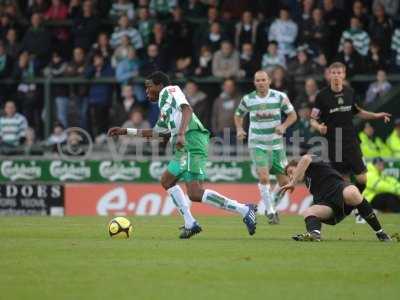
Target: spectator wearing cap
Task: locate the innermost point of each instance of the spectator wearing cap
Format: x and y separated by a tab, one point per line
320	63
378	88
226	61
272	58
372	146
13	128
284	31
393	141
357	35
382	191
124	29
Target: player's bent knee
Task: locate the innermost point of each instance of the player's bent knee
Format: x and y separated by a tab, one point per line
351	195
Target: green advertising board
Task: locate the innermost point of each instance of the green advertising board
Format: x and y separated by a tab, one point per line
93	171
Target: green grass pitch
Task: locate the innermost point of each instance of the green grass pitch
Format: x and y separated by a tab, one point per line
73	258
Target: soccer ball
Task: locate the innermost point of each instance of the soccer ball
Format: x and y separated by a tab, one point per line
120	228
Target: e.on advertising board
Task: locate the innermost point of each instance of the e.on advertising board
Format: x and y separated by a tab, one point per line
150	199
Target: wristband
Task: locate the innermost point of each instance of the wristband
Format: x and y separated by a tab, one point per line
131	131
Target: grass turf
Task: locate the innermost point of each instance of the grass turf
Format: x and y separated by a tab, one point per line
73	258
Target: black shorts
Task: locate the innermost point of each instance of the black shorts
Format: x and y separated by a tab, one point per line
351	162
334	199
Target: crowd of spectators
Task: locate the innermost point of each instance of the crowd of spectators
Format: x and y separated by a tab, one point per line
226	39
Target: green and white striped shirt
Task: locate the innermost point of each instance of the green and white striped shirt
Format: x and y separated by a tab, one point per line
170	100
12	129
396	45
360	40
265	116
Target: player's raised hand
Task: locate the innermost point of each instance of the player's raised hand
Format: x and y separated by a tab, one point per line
116	131
323	129
180	141
241	134
288	187
280	129
383	115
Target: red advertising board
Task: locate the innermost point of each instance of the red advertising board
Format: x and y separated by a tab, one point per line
151	199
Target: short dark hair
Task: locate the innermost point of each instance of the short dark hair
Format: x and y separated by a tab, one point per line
159	77
292	163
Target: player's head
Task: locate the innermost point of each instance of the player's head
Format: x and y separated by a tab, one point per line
337	73
262	81
290	167
155	83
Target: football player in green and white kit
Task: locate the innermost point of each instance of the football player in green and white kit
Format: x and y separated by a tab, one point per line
265	141
190	141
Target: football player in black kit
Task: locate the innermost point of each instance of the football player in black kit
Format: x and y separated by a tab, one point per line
333	112
334	198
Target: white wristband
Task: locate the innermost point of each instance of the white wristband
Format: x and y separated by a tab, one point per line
131	131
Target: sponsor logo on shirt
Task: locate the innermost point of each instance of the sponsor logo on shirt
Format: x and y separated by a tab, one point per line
340	109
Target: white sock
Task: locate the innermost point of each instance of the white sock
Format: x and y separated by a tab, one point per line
182	204
266	197
215	199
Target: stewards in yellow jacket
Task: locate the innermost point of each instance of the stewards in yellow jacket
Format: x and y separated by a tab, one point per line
393	140
382	191
372	146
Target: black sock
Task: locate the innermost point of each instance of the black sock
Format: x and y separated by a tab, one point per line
360	186
312	223
365	211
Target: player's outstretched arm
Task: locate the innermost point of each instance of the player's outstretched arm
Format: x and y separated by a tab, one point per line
368	115
147	133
